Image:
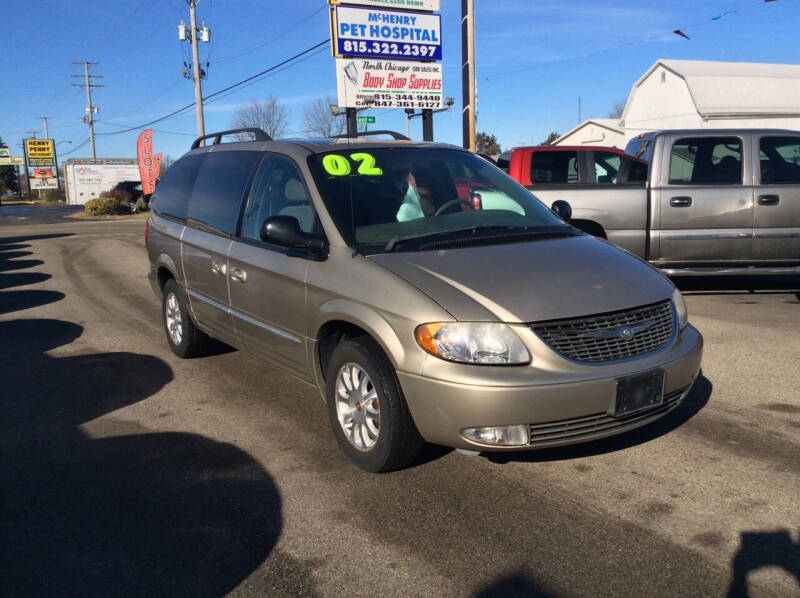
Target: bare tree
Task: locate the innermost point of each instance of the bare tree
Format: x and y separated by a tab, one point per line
318	119
269	115
166	162
617	110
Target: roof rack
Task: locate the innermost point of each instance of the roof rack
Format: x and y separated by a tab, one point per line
392	134
257	133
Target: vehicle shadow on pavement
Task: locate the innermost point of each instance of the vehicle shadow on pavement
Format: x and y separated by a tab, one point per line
135	514
694	402
516	584
763	549
130	513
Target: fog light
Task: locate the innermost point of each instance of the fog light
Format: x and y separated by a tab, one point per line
516	435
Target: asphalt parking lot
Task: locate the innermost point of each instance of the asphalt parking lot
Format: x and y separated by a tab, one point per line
127	471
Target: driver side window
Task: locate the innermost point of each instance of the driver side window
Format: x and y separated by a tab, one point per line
278	190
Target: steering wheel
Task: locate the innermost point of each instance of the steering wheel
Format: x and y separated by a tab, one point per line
451	203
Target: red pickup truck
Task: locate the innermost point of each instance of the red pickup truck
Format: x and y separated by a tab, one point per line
537	166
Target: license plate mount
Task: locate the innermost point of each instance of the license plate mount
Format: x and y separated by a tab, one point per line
639	392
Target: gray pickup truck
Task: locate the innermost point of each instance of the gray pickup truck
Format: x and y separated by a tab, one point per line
690	202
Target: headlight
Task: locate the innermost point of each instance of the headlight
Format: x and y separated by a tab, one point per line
473	342
680	308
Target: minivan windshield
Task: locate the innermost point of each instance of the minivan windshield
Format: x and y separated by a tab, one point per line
382	198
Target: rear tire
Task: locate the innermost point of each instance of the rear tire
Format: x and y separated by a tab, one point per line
368	413
184	338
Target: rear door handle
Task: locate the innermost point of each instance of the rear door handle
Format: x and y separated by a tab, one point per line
238	275
769	200
218	268
680	202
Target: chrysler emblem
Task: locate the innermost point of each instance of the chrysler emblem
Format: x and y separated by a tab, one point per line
625	333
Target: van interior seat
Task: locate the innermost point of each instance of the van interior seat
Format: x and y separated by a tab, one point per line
299	204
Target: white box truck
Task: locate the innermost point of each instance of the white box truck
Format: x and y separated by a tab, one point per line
87	178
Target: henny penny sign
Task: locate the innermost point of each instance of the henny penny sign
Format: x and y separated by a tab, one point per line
39	148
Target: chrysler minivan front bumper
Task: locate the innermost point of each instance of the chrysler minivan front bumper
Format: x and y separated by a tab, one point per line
572	404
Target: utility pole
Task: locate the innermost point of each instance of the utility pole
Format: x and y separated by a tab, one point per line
198	74
91	109
468	100
44	121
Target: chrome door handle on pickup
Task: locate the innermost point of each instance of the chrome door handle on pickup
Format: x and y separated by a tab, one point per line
218	268
680	202
238	275
769	200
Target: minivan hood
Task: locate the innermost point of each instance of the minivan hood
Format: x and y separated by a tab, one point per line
543	279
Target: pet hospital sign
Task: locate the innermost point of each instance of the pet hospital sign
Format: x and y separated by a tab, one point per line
380	33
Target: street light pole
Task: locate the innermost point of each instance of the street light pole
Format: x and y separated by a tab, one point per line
427	118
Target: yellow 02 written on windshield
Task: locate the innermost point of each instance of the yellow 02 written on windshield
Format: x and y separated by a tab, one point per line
338	165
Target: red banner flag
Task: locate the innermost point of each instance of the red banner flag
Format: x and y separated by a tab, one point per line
149	165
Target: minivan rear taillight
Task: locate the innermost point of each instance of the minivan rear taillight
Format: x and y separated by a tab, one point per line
146	230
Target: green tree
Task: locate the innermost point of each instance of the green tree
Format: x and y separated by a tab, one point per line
487	144
550	138
8	176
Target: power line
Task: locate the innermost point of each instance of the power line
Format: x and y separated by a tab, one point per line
225	89
280	70
105	122
275	38
76	148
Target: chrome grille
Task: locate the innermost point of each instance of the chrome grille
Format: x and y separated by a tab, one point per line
611	336
584	427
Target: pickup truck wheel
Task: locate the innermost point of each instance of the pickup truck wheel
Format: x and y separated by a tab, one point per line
184	338
369	416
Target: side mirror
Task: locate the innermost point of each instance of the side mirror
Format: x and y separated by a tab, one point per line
285	231
562	209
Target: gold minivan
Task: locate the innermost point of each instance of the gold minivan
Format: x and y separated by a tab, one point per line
427	295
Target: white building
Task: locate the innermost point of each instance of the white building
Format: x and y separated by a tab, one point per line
698	94
595	131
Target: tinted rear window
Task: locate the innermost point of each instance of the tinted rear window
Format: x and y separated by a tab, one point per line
219	189
706	161
172	193
554	167
780	160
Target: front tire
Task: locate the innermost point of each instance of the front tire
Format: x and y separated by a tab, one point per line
184	338
369	416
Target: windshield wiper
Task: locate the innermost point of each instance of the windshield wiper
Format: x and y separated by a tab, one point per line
397	240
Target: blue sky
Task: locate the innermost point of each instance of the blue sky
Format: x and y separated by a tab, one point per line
534	59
